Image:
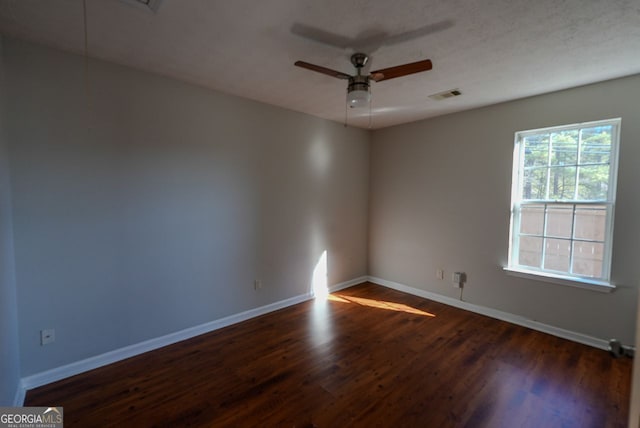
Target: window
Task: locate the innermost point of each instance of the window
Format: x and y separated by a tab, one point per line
563	197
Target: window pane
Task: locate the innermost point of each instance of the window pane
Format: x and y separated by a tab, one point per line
593	183
532	219
562	217
588	258
536	150
591	222
562	183
530	251
596	145
564	147
559	220
557	254
534	185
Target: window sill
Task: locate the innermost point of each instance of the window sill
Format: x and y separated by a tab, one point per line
593	285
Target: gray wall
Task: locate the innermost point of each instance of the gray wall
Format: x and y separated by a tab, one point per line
9	345
151	205
440	198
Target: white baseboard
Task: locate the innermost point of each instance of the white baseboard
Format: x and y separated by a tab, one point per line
348	284
494	313
58	373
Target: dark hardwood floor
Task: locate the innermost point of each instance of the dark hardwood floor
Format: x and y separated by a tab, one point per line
369	356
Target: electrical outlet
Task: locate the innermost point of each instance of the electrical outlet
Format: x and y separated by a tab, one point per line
47	336
257	284
458	278
440	274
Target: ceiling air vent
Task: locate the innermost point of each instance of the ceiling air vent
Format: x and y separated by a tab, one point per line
446	94
150	5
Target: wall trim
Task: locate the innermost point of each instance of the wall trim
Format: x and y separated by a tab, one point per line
348	284
497	314
58	373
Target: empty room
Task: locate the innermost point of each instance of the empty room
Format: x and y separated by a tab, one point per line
319	214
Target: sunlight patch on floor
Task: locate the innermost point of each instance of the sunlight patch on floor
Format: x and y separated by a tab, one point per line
380	304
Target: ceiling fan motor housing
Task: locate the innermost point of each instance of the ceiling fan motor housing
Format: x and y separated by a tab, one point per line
359	60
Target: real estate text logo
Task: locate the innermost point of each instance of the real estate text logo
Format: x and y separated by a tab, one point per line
31	417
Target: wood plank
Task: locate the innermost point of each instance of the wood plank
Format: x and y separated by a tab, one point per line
370	356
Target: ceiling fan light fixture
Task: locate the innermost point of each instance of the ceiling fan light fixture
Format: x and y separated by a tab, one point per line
358	94
358	98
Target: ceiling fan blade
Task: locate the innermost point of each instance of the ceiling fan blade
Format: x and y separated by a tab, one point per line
401	70
323	70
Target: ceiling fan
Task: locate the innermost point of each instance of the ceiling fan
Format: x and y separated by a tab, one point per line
358	94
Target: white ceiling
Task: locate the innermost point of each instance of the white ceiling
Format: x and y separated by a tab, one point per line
491	50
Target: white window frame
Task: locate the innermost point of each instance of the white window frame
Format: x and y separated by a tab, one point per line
598	284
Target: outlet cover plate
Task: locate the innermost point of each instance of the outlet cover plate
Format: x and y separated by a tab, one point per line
47	336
